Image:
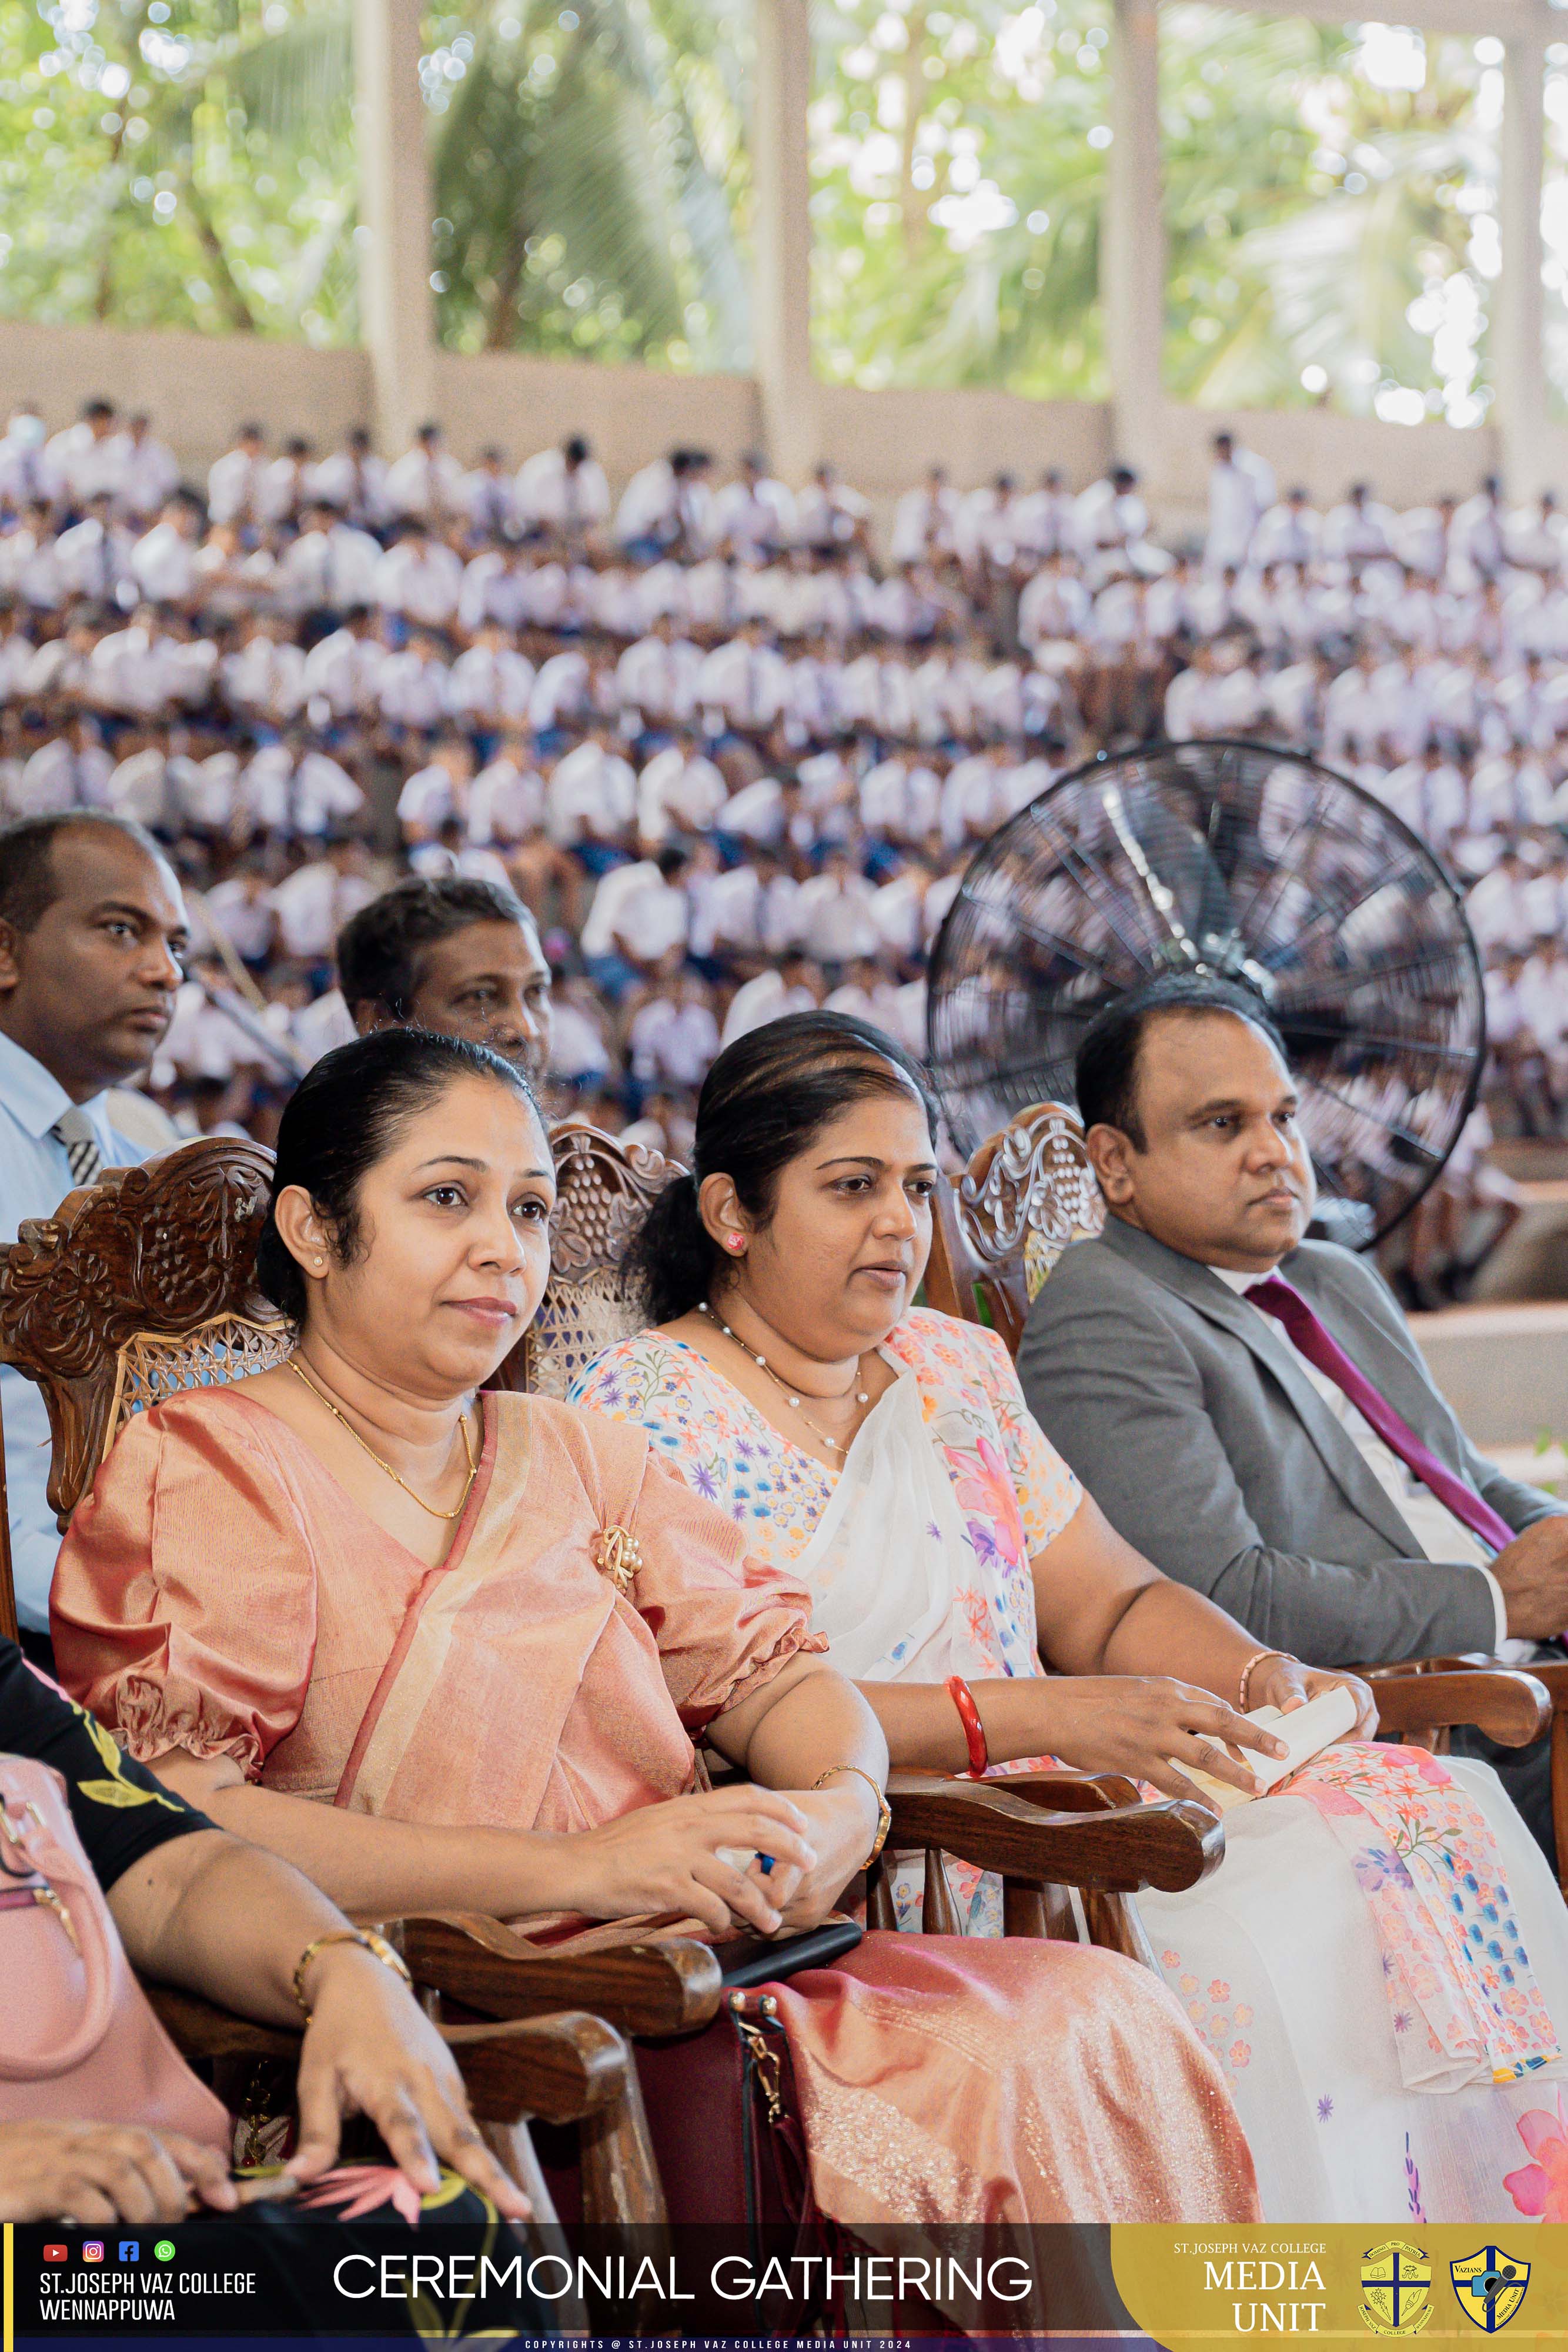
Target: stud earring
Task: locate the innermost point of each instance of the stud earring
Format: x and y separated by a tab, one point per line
732	1241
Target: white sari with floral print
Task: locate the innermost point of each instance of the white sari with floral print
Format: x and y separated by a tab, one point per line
1381	1961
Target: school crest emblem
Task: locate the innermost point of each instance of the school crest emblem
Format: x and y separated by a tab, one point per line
1490	2287
1395	2289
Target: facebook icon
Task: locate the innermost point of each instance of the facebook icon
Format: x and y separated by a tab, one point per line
130	2250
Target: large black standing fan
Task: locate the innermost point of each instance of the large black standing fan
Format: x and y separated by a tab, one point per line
1256	866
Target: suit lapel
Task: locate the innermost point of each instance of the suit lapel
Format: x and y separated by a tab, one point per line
1203	1291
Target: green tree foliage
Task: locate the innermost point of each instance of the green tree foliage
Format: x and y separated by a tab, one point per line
592	181
957	167
1331	214
178	163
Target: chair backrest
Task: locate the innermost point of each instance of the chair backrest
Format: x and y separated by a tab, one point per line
140	1285
603	1192
1000	1228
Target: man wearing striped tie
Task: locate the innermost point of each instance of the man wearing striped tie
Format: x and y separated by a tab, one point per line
92	928
1246	1407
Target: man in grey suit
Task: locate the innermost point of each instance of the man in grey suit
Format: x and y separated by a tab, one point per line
1288	1455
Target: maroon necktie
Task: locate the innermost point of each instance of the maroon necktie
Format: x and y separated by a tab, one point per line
1316	1342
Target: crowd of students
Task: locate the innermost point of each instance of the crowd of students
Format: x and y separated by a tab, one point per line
732	747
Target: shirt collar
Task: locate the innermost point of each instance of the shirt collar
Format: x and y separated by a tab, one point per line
36	1099
1233	1280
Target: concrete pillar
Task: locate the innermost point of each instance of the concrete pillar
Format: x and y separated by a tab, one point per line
1519	363
397	322
1133	240
781	277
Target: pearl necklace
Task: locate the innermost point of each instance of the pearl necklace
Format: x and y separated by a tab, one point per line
862	1396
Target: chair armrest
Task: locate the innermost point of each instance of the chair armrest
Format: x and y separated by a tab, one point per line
669	1984
1167	1846
1510	1704
558	2068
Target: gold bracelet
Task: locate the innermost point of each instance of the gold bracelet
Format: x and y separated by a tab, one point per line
884	1809
368	1940
1255	1660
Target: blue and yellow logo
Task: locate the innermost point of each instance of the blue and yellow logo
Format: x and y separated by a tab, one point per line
1490	2287
1395	2289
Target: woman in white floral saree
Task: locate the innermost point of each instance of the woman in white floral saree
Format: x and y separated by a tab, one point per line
1380	1964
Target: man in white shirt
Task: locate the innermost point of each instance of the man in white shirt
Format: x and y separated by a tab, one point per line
1288	532
233	480
754	517
314	902
435	793
830	515
90	454
29	474
92	558
491	682
639	924
1111	524
162	562
674	1037
149	472
678	791
1479	534
427	483
794	986
71	771
591	802
1359	530
353	481
563	493
420	578
666	506
489	499
835	912
92	931
925	520
1241	492
328	567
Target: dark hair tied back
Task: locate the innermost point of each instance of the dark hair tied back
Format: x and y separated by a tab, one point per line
343	1117
764	1102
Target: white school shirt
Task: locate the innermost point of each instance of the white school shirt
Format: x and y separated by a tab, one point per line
1439	1534
232	482
343	670
425	483
923	521
335	567
491	683
555	498
672	1042
759	1001
93	562
245	921
312	904
506	802
423	582
59	777
428	798
356	486
412	691
496	587
678	791
592	795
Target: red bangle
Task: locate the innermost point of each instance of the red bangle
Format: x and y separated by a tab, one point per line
963	1698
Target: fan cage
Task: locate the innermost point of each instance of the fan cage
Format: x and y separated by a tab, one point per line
1232	859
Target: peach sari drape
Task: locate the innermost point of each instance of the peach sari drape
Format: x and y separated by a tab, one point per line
219	1591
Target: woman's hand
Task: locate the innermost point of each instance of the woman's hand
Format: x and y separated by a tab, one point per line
1286	1684
666	1858
98	2174
370	2050
1147	1727
841	1824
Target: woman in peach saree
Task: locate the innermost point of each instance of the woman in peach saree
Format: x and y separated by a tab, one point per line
448	1651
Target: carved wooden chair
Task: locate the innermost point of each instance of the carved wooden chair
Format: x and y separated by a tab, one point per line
1025	1195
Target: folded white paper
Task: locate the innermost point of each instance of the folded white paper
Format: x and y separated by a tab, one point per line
1306	1732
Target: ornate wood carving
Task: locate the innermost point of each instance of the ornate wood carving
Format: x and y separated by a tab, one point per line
1025	1194
603	1192
154	1250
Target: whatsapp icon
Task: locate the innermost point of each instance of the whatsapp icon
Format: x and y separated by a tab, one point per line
164	2249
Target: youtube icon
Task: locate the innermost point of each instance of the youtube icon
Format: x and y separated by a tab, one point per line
57	2254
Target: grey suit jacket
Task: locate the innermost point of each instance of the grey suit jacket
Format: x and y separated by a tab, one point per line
1189	1418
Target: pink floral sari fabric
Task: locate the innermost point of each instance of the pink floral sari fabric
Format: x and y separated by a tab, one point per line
1464	2000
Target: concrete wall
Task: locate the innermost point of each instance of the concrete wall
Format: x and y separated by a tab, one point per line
199	387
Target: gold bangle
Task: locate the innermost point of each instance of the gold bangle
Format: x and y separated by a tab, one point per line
1255	1660
884	1809
368	1940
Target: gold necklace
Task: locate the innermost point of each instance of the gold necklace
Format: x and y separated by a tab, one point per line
375	1458
862	1396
